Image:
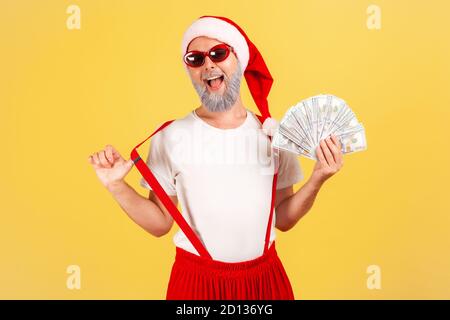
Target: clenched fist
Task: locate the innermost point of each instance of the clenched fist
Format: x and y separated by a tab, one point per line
110	166
330	159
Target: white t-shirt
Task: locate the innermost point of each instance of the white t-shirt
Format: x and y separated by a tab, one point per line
223	181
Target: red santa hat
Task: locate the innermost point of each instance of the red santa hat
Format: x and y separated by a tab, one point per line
256	73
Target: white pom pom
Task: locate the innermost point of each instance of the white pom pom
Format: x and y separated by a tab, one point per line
269	126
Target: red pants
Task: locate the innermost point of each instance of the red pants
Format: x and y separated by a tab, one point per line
194	277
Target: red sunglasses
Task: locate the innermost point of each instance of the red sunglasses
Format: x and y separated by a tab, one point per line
217	53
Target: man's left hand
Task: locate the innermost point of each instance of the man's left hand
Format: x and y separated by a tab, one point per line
330	159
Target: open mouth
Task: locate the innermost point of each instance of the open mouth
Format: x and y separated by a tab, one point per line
215	83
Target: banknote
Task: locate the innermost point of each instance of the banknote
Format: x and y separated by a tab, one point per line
313	119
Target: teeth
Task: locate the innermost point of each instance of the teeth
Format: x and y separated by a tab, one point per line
212	78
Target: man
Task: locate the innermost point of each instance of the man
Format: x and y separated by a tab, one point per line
233	188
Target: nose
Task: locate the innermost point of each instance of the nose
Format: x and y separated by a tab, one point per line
209	64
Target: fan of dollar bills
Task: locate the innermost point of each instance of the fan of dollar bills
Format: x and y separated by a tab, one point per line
314	119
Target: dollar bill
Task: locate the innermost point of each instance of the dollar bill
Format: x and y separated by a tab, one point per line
311	120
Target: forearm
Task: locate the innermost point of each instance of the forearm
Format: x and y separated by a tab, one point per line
141	210
293	208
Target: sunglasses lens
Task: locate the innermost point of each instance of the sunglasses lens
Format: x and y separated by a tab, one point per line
194	59
219	54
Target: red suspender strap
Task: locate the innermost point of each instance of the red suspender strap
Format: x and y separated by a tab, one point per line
272	202
272	205
162	195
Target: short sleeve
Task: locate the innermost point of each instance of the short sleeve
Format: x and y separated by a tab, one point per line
289	170
160	165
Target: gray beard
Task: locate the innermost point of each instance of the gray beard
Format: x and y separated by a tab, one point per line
217	102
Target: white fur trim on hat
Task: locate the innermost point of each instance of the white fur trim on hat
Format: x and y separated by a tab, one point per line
220	30
269	126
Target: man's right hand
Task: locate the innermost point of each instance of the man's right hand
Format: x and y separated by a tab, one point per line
110	166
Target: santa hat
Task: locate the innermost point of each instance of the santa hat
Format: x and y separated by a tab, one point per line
256	74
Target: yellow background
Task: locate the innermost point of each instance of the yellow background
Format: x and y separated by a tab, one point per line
65	94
